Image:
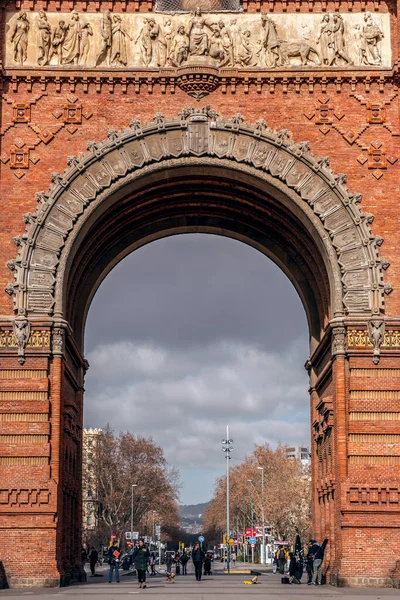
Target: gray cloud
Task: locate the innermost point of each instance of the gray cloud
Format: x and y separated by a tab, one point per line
202	331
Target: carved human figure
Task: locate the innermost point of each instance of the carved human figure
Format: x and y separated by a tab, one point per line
376	331
325	40
245	51
146	46
106	36
118	42
87	31
198	36
359	44
44	38
165	38
71	50
155	37
19	38
236	32
338	40
22	330
57	41
271	42
216	48
372	35
180	47
227	43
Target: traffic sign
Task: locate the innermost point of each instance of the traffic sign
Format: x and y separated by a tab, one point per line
253	545
201	539
232	542
113	536
252	540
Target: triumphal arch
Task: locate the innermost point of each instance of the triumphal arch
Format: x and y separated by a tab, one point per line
275	122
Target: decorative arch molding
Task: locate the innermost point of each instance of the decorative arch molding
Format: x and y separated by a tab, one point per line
356	270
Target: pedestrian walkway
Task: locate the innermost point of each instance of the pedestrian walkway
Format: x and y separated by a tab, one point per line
186	587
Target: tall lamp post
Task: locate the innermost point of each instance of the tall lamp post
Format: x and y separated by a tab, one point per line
227	448
153	534
263	558
133	486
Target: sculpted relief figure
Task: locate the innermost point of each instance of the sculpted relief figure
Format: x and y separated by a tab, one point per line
71	49
180	47
87	31
57	41
106	38
270	42
248	40
118	42
198	36
44	38
372	34
19	38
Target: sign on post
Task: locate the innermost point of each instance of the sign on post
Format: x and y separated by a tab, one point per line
201	539
253	541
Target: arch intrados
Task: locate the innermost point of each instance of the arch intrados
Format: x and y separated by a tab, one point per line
270	199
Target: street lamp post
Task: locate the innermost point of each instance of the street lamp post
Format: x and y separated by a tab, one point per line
154	531
227	448
133	486
263	558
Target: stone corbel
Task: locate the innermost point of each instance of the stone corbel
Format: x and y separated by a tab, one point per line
57	341
338	341
376	331
22	331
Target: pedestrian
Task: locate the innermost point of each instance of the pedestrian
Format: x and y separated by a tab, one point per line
113	560
318	553
184	561
168	563
233	558
282	557
177	563
93	558
198	559
141	558
207	564
275	564
309	563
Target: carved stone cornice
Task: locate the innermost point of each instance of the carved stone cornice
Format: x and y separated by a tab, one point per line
197	81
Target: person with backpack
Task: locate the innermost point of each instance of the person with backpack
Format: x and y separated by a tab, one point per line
309	563
318	554
113	560
282	557
141	557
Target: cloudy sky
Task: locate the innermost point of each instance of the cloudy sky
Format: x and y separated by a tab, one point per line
189	334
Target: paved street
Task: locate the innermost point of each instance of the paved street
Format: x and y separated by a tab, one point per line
215	587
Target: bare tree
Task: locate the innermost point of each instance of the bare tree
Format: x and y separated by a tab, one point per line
121	461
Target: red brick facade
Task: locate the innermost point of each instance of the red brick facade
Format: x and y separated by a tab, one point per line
352	116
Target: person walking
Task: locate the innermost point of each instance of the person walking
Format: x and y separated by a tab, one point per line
282	557
198	559
141	558
233	558
113	560
168	562
184	561
93	558
152	564
177	563
207	564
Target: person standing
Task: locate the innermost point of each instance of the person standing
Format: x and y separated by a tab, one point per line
207	564
184	561
93	558
282	557
168	562
318	553
309	563
113	560
141	557
198	559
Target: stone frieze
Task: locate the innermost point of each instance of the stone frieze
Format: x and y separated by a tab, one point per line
161	40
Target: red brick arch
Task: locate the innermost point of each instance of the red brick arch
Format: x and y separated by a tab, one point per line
200	173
